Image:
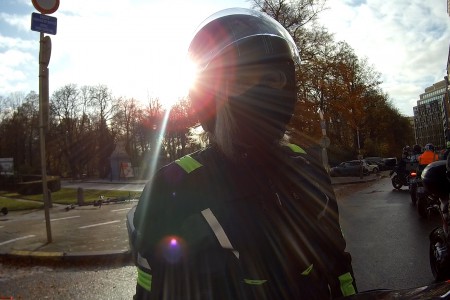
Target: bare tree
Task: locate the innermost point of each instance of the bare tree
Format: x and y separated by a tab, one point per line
125	123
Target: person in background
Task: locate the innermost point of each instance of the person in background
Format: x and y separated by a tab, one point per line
416	152
446	151
251	216
405	159
428	156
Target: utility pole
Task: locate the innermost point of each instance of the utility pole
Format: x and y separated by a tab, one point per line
44	58
44	24
324	142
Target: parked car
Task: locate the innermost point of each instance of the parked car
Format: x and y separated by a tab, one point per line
350	168
373	167
375	160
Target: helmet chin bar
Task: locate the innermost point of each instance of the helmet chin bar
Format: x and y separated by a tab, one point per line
261	114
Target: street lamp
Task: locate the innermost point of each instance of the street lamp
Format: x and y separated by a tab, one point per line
324	142
359	145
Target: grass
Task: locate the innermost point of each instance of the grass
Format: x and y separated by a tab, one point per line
13	204
63	196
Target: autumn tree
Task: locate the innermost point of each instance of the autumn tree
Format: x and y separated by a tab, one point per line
332	79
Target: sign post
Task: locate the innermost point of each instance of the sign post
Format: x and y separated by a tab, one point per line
44	24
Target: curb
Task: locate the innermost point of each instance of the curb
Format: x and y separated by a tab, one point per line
100	257
351	180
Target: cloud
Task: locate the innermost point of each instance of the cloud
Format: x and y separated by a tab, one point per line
406	41
16	64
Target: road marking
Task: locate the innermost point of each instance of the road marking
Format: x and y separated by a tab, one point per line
17	239
120	209
64	218
99	224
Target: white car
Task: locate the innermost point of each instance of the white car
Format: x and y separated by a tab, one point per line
372	167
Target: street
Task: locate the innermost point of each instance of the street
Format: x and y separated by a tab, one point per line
385	235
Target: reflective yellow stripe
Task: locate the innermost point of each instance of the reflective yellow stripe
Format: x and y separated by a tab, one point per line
346	281
188	164
308	270
255	281
296	149
144	280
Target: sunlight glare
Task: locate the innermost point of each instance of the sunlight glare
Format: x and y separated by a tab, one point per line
174	81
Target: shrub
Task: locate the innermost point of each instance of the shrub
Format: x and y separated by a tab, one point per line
35	186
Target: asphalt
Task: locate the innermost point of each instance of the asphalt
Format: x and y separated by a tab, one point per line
83	233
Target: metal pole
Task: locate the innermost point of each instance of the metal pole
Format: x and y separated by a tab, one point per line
43	89
359	154
357	135
324	142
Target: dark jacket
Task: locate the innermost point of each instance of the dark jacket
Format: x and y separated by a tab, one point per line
211	229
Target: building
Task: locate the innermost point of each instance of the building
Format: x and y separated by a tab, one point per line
431	116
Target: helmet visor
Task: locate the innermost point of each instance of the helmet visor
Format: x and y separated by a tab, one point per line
245	31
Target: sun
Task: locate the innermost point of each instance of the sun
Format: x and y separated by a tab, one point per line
173	80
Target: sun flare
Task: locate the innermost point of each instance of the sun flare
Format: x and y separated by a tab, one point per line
174	80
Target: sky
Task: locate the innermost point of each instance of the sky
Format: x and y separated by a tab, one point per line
137	47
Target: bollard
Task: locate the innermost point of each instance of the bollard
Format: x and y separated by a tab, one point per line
80	196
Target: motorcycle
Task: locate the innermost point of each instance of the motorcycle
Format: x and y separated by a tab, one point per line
399	177
434	178
421	196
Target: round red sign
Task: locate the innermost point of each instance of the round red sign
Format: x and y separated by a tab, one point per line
46	6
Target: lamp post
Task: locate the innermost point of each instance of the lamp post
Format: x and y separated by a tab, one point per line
325	142
359	145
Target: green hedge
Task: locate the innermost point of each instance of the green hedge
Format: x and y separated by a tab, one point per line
35	187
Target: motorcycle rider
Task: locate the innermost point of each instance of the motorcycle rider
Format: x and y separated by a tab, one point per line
250	216
428	156
406	158
406	153
416	152
447	150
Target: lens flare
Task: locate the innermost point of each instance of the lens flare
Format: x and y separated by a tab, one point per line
172	249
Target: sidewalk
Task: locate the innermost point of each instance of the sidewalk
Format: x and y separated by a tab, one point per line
84	233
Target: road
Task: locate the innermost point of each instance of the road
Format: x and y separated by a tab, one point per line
386	237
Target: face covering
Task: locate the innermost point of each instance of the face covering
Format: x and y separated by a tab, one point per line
261	114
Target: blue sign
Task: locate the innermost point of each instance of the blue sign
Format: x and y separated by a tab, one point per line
43	23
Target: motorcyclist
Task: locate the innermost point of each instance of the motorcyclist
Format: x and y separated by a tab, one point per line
447	150
406	155
428	156
250	216
405	159
416	152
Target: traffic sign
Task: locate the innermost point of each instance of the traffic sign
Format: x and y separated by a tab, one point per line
46	6
43	23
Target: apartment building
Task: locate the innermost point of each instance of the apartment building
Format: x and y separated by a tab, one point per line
431	116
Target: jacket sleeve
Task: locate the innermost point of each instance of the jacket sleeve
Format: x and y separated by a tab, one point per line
333	260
